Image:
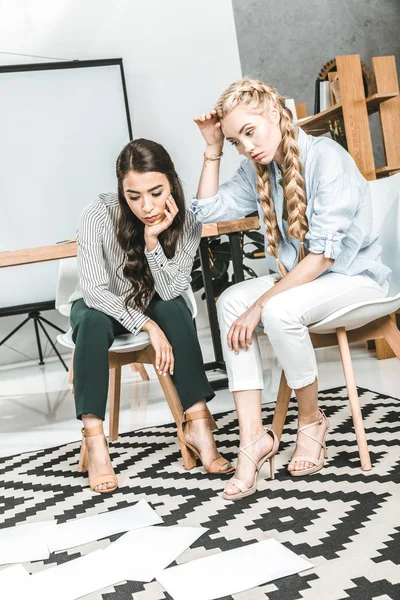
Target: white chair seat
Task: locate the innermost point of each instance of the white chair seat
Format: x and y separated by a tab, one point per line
357	315
122	343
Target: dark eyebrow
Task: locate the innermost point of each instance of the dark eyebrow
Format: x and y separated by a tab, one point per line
150	190
240	130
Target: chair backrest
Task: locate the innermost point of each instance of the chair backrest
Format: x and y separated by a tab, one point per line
68	278
386	218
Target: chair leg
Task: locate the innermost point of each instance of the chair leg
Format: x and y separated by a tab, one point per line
138	367
281	407
354	399
115	398
175	406
71	373
392	336
170	393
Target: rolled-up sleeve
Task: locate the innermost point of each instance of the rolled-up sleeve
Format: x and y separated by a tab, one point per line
336	201
235	199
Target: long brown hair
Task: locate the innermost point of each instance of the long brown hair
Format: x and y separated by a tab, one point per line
145	156
259	96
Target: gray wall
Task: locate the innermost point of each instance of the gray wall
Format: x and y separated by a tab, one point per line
286	42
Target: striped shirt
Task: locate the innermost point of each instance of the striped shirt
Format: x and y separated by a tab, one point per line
339	209
101	283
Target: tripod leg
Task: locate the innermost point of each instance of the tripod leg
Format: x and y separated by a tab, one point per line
38	319
51	324
39	345
14	331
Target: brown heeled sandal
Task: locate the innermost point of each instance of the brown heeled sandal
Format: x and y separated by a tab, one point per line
83	464
191	454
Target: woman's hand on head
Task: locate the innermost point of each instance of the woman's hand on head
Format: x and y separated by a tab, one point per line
241	332
210	128
170	212
162	348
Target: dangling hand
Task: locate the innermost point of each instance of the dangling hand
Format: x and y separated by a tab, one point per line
241	332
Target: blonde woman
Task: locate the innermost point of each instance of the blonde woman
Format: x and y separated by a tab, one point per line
315	212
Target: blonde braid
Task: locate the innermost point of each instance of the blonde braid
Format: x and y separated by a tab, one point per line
271	226
293	182
259	96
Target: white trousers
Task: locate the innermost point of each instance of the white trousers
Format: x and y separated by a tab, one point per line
285	318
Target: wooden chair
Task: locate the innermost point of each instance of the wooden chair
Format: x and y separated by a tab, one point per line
126	350
364	320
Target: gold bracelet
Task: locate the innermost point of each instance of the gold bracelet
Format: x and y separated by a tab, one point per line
213	157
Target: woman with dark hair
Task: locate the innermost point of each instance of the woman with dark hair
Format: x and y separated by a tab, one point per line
135	255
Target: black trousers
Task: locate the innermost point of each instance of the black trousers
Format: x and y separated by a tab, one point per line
94	333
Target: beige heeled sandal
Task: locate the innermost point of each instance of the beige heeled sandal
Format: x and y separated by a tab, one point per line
317	462
83	464
248	491
217	466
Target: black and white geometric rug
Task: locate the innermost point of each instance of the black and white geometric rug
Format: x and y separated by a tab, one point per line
345	521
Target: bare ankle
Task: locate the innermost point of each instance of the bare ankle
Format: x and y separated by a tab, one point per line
250	433
89	421
308	418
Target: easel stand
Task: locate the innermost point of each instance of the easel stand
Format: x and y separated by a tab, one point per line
34	315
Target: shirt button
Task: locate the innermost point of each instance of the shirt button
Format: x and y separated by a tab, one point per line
156	253
162	265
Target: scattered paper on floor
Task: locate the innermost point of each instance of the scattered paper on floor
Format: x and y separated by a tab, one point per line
89	529
231	572
25	543
146	552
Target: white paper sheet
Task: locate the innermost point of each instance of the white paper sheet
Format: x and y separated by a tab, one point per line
15	584
146	552
24	543
231	572
75	578
88	529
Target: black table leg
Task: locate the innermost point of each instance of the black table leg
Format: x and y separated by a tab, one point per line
211	308
237	259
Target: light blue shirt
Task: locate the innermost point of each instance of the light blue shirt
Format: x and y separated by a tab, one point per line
339	210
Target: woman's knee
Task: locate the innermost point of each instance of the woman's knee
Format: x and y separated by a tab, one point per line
165	309
277	318
231	301
95	322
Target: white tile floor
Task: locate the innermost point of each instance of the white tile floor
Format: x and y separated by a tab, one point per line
37	408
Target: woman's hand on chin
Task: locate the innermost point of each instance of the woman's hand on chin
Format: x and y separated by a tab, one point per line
151	232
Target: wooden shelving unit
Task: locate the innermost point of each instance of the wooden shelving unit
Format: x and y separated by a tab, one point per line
354	111
319	124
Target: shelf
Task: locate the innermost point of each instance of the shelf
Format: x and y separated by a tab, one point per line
374	101
319	124
387	170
